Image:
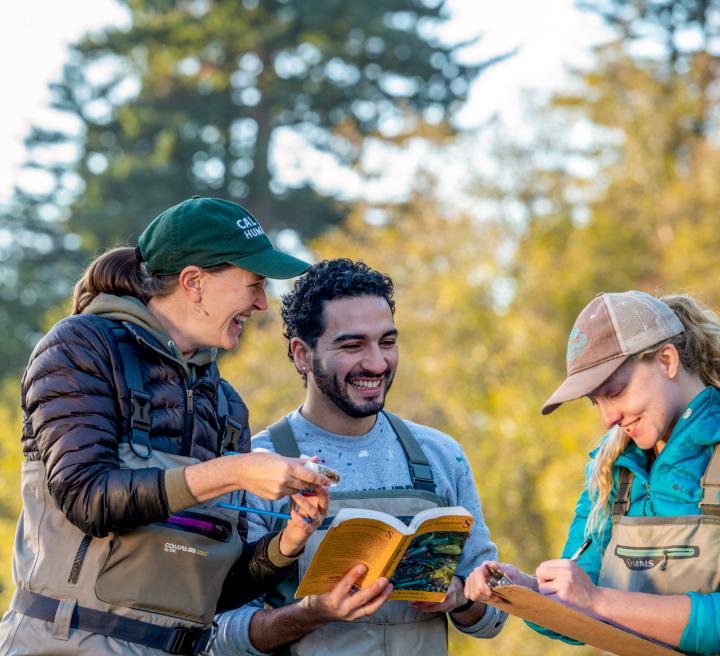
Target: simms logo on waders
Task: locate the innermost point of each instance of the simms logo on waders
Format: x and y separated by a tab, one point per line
641	558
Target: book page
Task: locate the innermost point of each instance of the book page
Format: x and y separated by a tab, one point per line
353	541
425	569
365	513
450	514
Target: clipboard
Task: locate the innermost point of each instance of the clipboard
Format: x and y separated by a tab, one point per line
539	609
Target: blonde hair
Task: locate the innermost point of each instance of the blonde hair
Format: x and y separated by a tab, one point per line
699	350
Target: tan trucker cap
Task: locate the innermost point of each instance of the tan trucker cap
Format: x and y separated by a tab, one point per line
608	330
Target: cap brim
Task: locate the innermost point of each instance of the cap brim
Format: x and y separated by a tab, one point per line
271	263
582	382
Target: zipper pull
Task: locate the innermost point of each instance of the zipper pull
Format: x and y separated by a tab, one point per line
190	401
663	565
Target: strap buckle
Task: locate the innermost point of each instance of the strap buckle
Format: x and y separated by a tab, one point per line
232	434
192	642
139	435
421	473
140	410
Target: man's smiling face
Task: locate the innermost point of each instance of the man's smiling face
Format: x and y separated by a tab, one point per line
354	360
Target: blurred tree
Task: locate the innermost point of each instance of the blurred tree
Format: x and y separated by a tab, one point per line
258	102
678	37
678	27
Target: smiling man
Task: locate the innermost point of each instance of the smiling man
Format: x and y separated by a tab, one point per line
343	341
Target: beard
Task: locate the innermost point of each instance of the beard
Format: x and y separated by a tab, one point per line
329	386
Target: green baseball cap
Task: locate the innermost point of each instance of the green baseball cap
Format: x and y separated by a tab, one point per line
210	231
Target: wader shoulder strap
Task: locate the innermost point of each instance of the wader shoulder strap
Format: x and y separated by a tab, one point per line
622	498
139	435
710	502
420	470
283	439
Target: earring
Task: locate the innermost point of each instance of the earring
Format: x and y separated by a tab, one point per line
199	309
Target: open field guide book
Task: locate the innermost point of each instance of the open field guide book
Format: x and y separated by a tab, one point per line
419	558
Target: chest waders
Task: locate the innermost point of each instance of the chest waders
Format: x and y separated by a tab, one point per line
395	629
149	590
665	555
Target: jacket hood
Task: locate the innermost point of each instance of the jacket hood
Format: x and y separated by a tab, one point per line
133	310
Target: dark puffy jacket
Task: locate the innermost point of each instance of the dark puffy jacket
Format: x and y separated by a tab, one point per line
76	409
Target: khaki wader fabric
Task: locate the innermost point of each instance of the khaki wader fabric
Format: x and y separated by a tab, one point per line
164	574
664	555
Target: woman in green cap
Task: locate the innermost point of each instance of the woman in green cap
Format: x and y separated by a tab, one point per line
644	546
136	450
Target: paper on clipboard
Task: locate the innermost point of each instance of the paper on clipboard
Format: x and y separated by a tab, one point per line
534	607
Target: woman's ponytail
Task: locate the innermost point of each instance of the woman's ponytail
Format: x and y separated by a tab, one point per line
118	271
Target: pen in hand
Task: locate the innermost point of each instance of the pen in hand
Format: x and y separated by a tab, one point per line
581	550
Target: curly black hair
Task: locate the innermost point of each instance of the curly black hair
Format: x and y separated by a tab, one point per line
302	308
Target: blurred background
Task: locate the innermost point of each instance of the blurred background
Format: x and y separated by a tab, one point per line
503	162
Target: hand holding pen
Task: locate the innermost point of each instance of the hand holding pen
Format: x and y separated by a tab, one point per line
581	549
564	580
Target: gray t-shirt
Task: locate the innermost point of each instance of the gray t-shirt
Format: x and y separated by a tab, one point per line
373	461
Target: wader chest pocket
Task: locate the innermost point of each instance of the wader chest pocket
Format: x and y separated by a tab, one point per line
174	567
192	522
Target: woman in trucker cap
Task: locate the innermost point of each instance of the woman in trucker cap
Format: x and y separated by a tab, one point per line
123	544
644	547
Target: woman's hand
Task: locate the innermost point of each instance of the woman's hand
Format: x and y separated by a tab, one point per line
477	587
565	581
298	529
271	476
266	475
